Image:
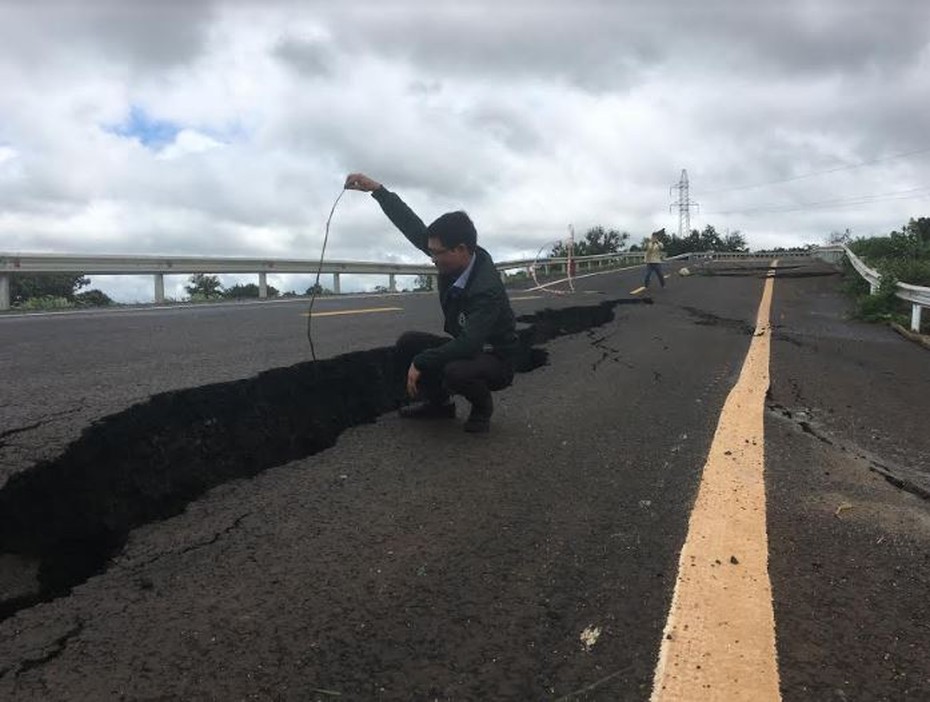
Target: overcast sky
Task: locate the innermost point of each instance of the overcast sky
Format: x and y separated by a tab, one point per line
227	128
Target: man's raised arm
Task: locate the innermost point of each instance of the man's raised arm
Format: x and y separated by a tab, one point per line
405	219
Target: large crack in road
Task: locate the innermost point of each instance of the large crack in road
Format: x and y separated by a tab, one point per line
64	519
782	271
903	477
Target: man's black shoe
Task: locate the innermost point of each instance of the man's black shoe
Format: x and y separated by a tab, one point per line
479	421
478	425
428	410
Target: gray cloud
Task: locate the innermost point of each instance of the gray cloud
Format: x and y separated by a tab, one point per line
310	59
508	125
144	35
614	45
530	115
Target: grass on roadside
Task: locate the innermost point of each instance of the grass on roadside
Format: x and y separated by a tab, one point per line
902	257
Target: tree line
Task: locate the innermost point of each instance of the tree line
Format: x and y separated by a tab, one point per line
55	289
201	286
598	240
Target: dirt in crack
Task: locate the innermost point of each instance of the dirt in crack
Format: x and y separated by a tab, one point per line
62	520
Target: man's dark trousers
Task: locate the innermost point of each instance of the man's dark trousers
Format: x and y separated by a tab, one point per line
473	378
654	268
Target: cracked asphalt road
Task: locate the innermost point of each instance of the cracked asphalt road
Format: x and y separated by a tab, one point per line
412	561
850	549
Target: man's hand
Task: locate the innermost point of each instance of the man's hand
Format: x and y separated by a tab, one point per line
360	181
413	377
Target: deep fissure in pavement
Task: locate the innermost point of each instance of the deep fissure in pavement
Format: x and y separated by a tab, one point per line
704	318
68	516
717	268
902	477
779	272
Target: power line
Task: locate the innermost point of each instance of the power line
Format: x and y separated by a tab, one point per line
839	203
909	194
824	172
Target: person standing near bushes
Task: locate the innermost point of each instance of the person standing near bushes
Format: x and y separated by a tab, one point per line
654	258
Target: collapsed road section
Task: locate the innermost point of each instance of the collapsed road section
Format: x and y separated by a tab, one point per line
766	271
62	520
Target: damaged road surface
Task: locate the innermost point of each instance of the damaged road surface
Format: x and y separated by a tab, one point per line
61	521
848	473
287	536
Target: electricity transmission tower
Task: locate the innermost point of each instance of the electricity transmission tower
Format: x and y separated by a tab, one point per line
684	205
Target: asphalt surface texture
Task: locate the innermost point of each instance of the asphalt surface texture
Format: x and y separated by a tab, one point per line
192	510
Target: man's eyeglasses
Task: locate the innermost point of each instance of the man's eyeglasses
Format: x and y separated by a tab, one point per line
434	253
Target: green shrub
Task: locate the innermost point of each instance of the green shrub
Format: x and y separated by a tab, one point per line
202	297
903	256
204	287
239	292
883	306
853	283
897	245
45	302
93	298
54	285
913	271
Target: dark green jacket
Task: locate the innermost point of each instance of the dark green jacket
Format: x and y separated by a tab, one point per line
479	317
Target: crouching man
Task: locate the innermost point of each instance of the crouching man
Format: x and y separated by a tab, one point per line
478	358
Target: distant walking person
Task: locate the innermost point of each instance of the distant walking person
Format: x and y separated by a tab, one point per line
477	357
654	258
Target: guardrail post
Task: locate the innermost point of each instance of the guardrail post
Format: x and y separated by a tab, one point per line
4	291
159	288
336	288
915	318
434	282
262	285
392	283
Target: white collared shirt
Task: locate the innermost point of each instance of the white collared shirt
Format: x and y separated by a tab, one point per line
462	280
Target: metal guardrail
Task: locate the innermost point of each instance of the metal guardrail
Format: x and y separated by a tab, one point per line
160	266
184	265
871	276
918	296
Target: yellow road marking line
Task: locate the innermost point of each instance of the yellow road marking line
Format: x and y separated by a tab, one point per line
638	290
719	639
526	297
336	313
